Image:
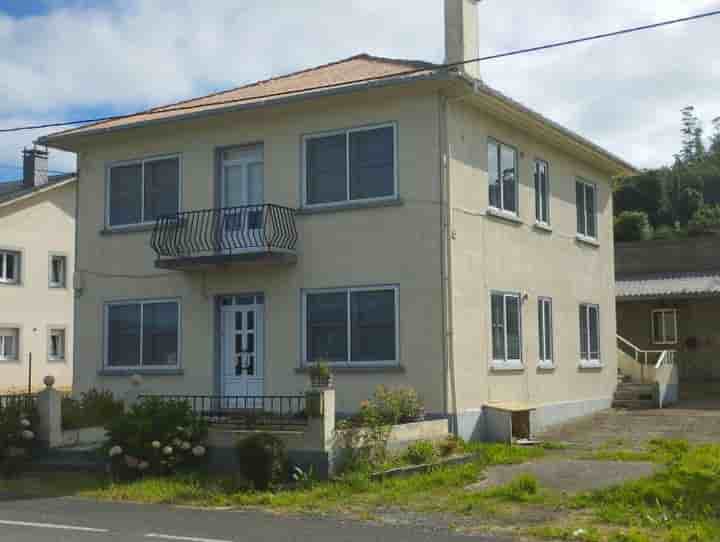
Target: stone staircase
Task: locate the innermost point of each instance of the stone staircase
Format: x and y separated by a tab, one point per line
635	396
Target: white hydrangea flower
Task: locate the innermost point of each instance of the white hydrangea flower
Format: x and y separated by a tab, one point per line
143	466
180	429
27	435
131	461
25	422
167	450
115	451
156	444
176	442
198	451
185	446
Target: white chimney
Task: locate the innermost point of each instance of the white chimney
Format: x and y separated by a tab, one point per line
35	167
462	41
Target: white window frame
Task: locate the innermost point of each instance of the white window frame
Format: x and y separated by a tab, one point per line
62	356
543	326
348	291
63	279
501	210
539	208
16	356
349	202
140	366
591	363
141	162
3	266
594	186
674	312
507	363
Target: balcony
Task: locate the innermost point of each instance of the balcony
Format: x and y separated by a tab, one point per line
211	238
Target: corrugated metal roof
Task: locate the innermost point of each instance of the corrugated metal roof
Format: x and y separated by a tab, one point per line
668	285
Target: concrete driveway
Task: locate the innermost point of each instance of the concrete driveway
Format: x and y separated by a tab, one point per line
695	420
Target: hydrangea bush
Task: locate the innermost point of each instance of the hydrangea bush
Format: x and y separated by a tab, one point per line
18	438
156	437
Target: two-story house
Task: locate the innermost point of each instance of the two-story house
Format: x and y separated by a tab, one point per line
398	219
37	246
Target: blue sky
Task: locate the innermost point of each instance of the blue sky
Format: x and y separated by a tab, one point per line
64	59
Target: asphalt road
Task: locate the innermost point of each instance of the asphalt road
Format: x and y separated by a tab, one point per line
77	520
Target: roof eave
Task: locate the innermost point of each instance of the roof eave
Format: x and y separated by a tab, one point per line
613	163
66	141
45	189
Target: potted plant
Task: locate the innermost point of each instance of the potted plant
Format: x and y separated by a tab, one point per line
320	375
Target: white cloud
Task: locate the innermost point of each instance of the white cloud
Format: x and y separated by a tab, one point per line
624	93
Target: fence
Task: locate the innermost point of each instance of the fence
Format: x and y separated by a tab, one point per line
24	401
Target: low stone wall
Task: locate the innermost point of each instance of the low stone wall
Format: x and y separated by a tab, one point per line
85	436
402	436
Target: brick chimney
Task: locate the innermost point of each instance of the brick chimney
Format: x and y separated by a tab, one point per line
462	36
35	167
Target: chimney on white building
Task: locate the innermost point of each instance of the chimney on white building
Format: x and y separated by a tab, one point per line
462	35
35	167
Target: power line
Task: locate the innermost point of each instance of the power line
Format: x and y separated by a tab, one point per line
19	168
448	66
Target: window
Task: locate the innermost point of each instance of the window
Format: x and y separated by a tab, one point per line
589	335
542	192
506	331
142	334
9	267
585	194
502	171
354	165
56	345
545	331
9	338
143	191
58	266
352	326
664	326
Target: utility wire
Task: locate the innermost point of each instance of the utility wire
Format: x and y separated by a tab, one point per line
430	67
19	168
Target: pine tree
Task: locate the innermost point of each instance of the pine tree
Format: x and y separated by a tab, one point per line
693	148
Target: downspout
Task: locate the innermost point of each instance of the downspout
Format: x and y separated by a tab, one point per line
450	395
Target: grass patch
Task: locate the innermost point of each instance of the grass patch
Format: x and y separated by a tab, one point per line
524	488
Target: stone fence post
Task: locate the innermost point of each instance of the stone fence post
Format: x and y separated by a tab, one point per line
132	396
320	433
49	408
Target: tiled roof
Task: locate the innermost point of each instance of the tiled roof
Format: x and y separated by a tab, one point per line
668	285
19	190
336	74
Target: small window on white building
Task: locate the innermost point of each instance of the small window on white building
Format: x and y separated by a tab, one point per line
542	192
58	271
503	177
664	326
56	345
545	331
589	335
506	330
586	201
9	267
9	338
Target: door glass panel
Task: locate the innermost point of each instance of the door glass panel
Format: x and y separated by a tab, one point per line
250	343
256	176
251	321
239	321
233	188
238	344
250	369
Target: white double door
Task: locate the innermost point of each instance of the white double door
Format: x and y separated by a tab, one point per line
243	363
243	194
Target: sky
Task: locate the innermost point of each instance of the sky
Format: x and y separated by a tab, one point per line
66	59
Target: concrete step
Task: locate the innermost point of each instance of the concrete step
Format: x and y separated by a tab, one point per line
635	404
631	396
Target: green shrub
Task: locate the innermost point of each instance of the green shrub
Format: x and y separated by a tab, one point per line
706	219
18	438
95	408
521	489
392	406
263	460
156	437
632	226
420	453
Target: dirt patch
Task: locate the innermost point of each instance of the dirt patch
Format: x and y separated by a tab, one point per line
571	476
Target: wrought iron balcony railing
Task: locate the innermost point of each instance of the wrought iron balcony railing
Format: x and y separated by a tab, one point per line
229	231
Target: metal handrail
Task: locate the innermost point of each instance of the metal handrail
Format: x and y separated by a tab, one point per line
226	230
663	356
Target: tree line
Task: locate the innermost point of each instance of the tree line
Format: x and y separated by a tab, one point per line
678	200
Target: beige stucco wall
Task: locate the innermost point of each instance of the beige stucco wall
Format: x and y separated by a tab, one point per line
378	246
493	254
38	227
697	318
